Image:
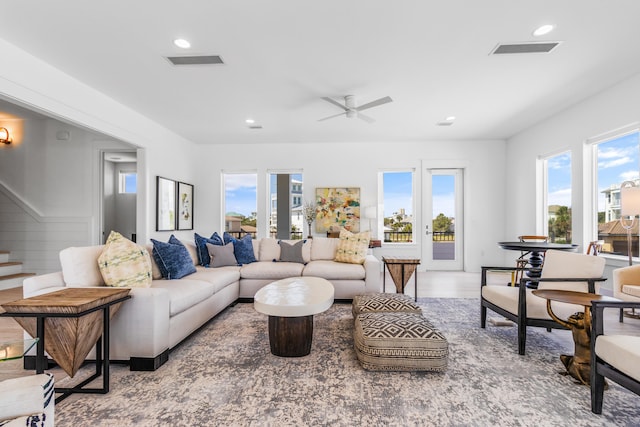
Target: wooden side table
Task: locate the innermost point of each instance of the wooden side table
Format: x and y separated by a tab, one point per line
67	324
401	270
578	365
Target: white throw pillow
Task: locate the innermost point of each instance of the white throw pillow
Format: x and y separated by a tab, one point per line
80	266
323	248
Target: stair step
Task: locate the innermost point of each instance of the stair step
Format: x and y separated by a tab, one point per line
4	256
7	268
13	280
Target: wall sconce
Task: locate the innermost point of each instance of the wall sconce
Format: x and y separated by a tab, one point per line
4	136
629	208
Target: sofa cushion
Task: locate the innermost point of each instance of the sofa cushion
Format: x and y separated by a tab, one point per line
271	270
621	352
218	277
124	264
201	246
155	270
221	256
270	249
507	298
291	252
334	270
80	266
323	248
173	259
352	247
184	293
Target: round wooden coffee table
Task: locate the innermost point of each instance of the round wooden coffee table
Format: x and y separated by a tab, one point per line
291	304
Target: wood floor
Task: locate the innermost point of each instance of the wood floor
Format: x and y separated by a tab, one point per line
431	284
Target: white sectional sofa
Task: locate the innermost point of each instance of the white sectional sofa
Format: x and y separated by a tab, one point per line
158	318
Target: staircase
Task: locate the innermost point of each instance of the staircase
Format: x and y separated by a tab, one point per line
11	275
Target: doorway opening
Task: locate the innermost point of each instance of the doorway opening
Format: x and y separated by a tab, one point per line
119	194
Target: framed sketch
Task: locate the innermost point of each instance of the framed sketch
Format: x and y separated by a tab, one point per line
165	204
337	208
185	206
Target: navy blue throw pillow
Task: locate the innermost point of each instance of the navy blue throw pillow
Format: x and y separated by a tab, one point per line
226	237
201	245
243	250
173	258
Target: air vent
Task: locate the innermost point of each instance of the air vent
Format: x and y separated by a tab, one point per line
195	60
444	123
541	47
255	127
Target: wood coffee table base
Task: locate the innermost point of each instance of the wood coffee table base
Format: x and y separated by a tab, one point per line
290	336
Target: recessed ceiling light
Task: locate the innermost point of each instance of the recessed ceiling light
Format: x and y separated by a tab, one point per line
450	118
542	30
182	43
249	121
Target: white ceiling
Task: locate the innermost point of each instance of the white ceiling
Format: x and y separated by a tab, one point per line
282	56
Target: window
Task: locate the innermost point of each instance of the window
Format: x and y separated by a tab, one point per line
397	201
240	202
557	209
288	187
616	161
127	182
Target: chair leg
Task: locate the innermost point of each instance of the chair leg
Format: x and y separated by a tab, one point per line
621	315
483	316
597	391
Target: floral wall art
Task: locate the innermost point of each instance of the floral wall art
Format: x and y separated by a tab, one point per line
337	208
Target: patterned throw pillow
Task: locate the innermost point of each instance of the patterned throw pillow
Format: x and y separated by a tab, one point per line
123	264
173	258
352	248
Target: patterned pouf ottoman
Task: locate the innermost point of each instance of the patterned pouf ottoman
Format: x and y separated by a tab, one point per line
399	341
381	302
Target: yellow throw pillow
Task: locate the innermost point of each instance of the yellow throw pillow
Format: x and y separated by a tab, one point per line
352	248
123	264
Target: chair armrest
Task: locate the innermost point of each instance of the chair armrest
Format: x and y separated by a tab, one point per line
483	277
591	281
597	319
625	276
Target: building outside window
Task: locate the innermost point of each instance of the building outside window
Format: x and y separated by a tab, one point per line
295	219
557	206
397	201
616	161
240	204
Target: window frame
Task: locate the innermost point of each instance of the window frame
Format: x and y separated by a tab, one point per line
380	219
543	162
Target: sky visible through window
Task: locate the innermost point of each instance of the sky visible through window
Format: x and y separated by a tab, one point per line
240	192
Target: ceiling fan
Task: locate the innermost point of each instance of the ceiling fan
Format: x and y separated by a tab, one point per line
350	109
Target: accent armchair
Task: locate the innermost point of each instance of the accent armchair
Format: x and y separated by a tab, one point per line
27	401
626	285
616	357
561	270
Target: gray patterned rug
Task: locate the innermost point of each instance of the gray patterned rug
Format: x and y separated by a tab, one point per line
225	375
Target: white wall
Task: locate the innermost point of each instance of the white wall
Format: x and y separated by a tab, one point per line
357	165
614	108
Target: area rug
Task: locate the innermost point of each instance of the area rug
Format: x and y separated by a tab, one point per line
225	375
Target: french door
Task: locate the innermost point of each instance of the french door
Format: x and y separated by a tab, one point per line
443	222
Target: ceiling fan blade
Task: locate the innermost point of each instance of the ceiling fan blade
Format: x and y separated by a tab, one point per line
374	103
365	118
331	117
336	103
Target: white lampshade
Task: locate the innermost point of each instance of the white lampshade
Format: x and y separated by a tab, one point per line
630	201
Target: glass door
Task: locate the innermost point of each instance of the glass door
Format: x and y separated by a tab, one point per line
442	235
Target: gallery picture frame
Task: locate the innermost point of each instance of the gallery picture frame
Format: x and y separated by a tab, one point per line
184	204
165	204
